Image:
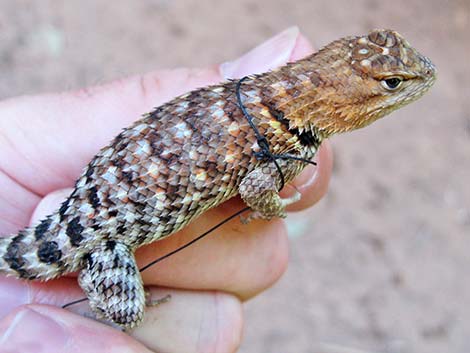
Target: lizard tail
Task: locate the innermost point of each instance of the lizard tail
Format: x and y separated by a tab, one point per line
32	253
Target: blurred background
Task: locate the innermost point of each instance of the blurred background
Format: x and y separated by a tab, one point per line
382	263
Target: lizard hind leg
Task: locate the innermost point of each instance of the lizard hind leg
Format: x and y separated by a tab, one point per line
112	283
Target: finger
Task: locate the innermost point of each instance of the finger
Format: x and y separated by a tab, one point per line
48	139
314	180
254	256
264	262
237	258
15	293
16	204
189	322
192	322
41	328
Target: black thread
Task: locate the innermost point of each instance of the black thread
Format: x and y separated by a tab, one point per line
265	153
74	302
189	243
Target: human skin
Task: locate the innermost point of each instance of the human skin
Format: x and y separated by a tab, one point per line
45	141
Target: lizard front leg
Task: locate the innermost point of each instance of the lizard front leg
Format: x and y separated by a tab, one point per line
260	191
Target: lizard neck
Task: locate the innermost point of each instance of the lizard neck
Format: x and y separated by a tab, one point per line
307	137
314	95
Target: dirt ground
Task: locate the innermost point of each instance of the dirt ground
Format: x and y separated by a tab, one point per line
385	264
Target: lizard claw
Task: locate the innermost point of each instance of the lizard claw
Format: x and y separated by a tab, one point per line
156	302
247	219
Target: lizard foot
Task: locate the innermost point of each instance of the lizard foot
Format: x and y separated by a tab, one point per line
278	212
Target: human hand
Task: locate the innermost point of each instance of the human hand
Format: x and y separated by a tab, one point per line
45	141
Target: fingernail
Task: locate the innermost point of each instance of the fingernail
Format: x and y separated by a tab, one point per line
309	174
306	177
268	55
28	328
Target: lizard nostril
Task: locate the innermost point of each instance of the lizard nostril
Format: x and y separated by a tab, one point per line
431	71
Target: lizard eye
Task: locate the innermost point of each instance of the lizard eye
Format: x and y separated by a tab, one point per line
392	83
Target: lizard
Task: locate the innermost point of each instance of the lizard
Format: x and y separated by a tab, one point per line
245	138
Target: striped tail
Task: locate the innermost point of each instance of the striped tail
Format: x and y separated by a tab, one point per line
34	252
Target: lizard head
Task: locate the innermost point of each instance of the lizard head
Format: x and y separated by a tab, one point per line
361	79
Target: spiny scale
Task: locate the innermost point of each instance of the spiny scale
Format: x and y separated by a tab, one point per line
197	151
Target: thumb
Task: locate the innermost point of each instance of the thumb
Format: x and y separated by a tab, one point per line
287	46
43	328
